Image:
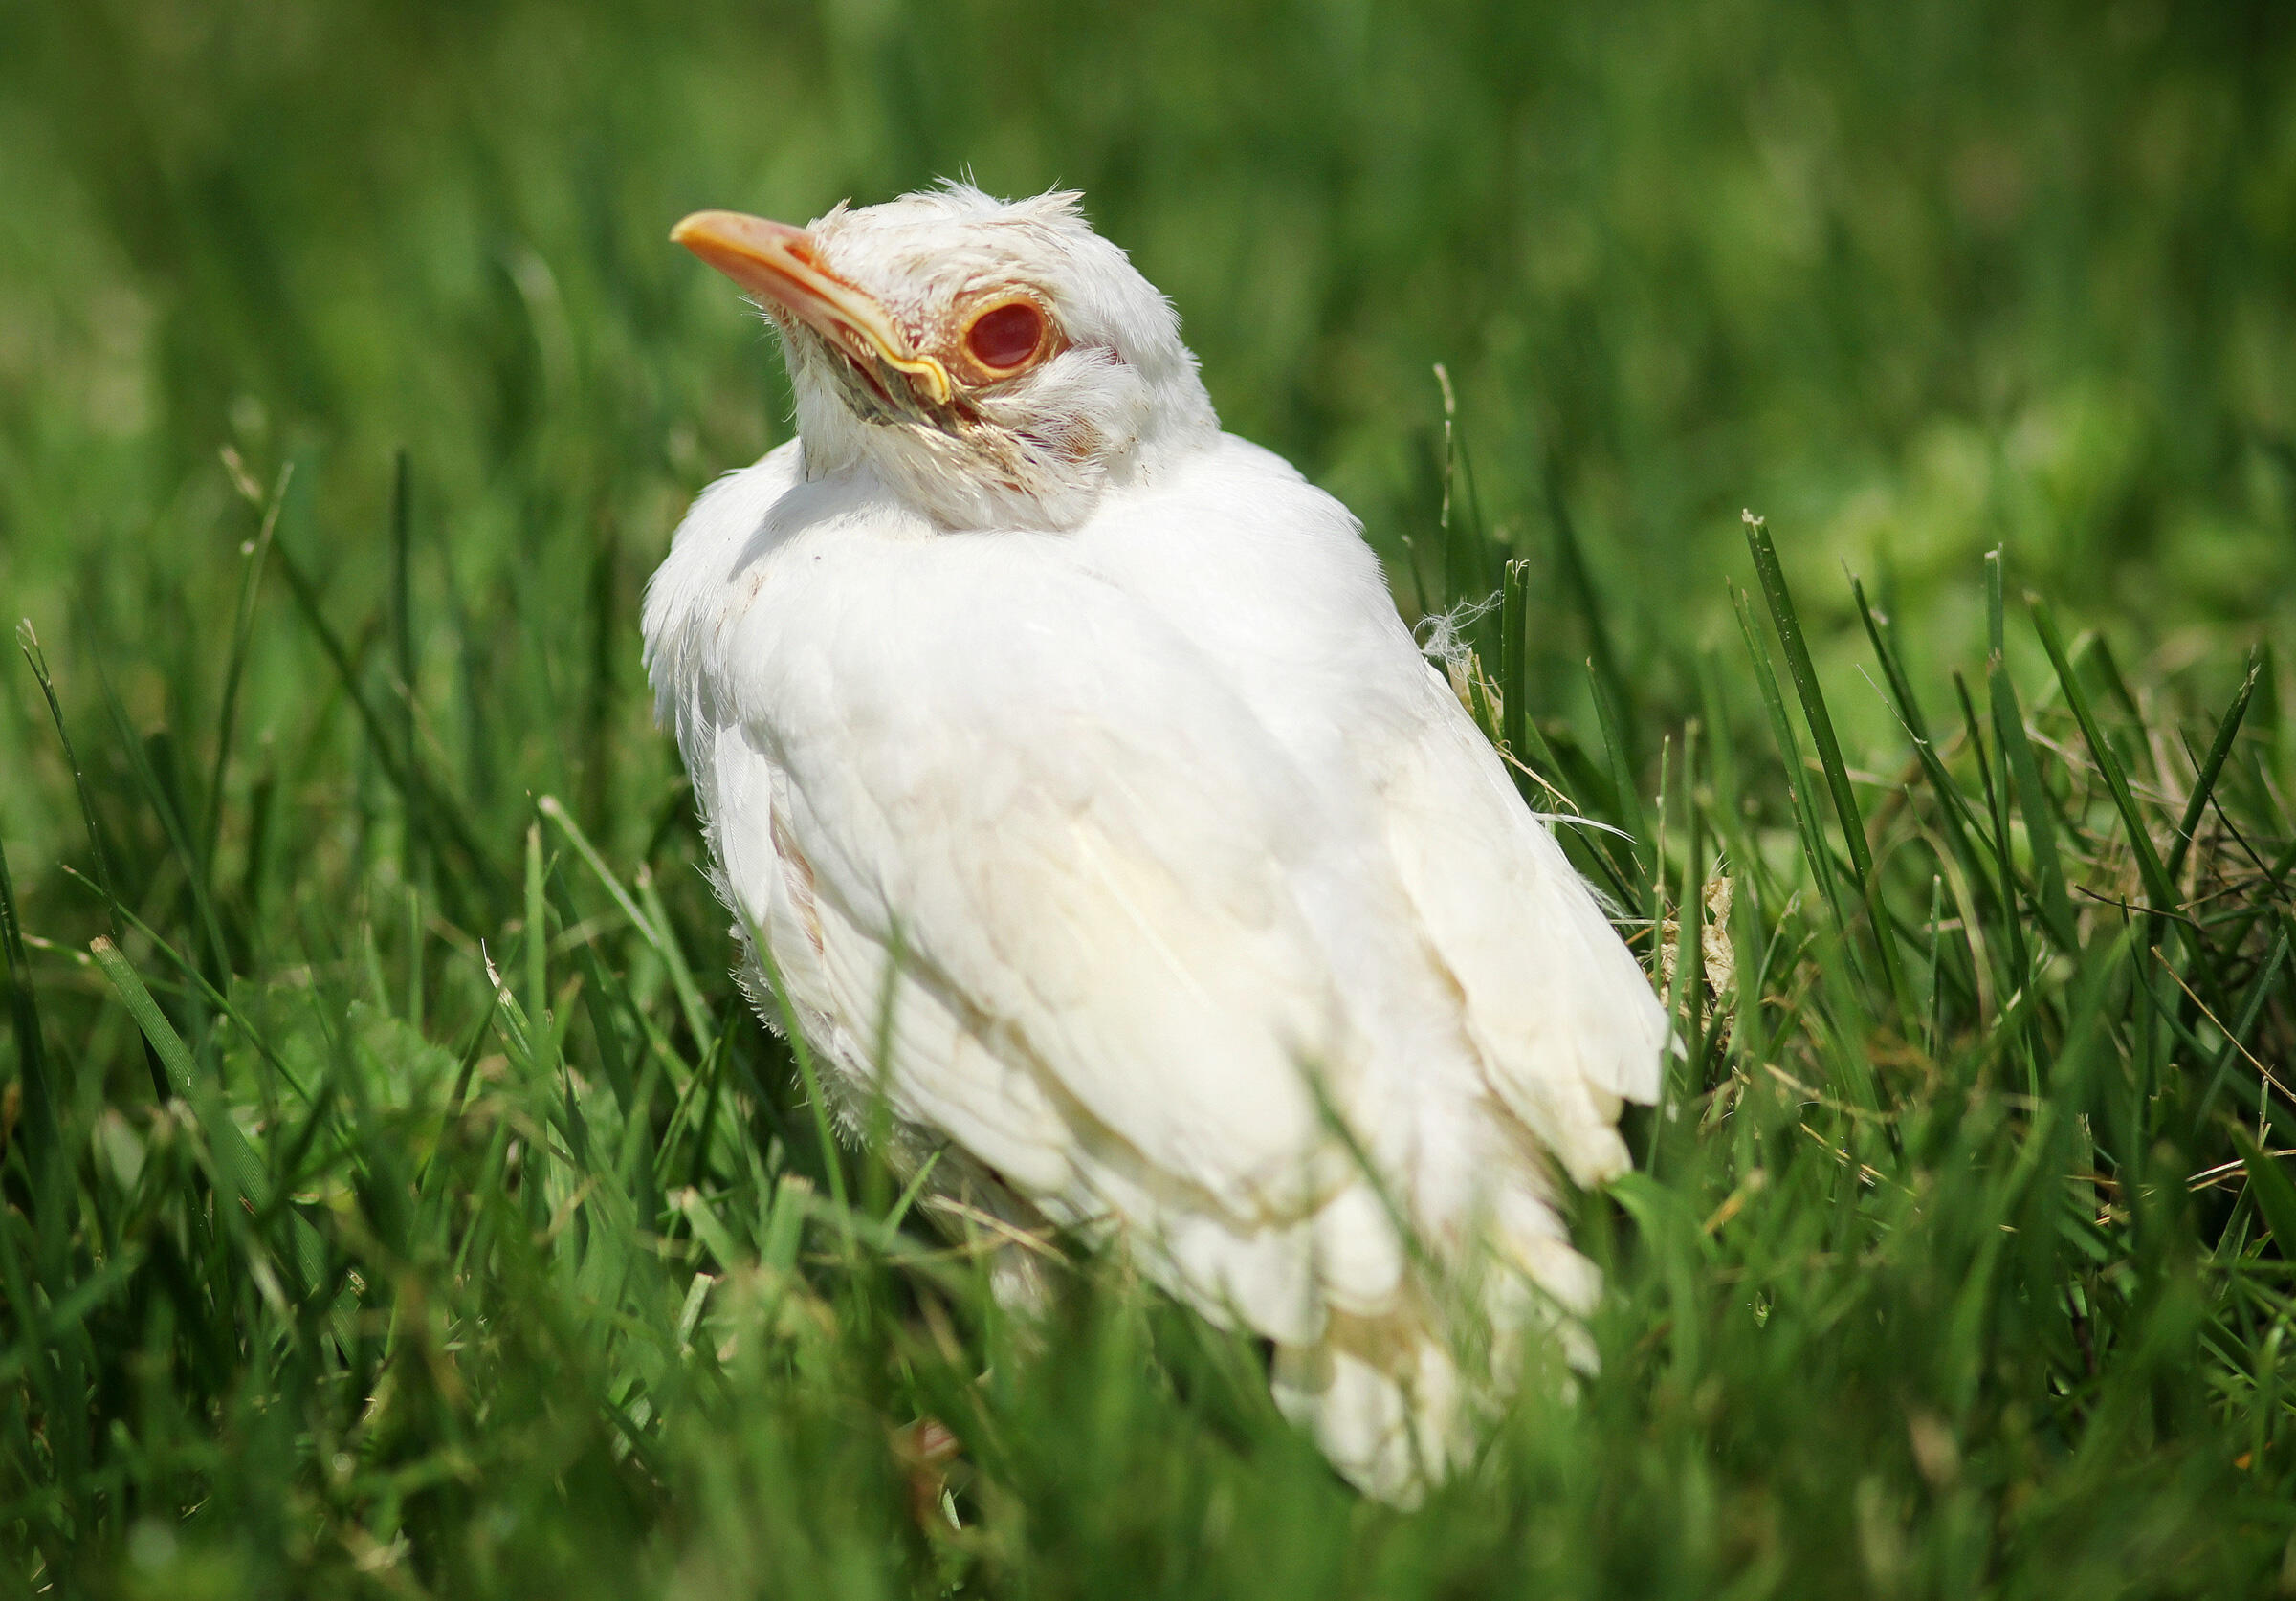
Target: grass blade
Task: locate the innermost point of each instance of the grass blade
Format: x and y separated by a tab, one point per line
2204	780
2004	884
28	643
404	769
2023	776
45	1154
1514	666
243	629
1629	800
1578	583
2274	1192
401	639
1789	750
231	1150
2244	1028
2158	886
1804	675
647	919
164	795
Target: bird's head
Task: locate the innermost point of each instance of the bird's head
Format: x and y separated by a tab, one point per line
996	363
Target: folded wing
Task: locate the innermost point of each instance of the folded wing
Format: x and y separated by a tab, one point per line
1098	882
1563	1015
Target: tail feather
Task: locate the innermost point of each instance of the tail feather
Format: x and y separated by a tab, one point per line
1382	1398
1388	1398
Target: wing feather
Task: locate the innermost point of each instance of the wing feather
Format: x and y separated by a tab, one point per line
1565	1020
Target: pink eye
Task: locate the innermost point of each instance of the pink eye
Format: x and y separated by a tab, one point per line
1002	337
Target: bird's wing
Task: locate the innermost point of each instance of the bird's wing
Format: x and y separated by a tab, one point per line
1565	1020
1272	577
1085	852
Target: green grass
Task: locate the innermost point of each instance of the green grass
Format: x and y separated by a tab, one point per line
398	1199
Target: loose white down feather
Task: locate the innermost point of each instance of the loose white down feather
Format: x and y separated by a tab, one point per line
1185	850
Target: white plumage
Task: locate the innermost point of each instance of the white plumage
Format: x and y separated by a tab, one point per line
1105	721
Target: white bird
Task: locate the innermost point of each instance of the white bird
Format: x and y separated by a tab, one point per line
1070	760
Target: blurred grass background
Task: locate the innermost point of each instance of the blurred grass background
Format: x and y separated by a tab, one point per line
1915	280
1910	280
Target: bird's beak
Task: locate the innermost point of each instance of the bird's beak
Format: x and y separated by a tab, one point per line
781	265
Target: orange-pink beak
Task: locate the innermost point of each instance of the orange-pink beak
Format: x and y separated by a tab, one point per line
782	265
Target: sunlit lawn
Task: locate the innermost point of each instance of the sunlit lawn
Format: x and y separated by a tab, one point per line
400	1199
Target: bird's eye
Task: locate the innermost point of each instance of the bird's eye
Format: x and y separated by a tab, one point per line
1002	337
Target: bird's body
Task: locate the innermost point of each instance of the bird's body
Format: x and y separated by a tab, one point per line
1114	829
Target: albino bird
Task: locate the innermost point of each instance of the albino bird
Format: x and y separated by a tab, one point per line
1089	795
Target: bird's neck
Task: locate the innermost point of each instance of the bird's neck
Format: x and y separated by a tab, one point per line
960	483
